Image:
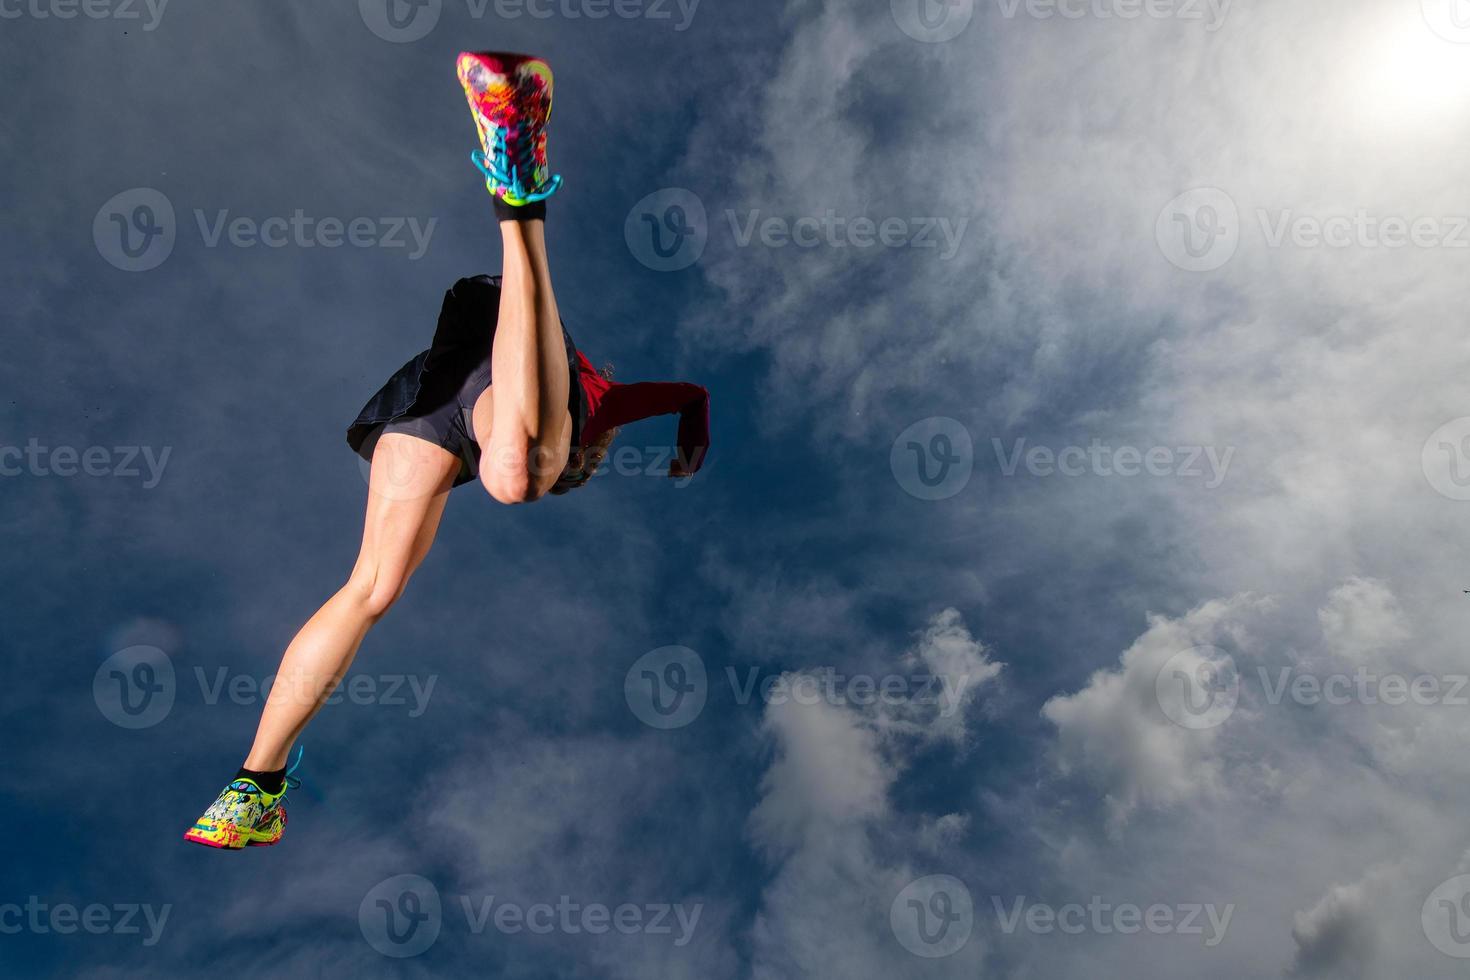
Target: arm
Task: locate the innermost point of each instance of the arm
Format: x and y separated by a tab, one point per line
630	403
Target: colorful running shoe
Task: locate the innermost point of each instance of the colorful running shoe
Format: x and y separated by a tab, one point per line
244	814
510	98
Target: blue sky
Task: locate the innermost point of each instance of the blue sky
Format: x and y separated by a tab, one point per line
1089	431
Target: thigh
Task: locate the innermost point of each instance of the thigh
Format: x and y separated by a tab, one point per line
407	490
545	461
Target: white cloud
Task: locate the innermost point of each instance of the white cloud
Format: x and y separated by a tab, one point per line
827	822
1338	936
1363	622
1115	733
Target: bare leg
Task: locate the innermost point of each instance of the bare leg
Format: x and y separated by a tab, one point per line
408	488
525	449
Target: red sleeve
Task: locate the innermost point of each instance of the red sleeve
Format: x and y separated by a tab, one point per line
630	403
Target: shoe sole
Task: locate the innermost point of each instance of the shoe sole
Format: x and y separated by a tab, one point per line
251	839
504	63
221	846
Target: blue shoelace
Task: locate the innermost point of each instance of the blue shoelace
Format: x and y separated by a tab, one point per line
503	166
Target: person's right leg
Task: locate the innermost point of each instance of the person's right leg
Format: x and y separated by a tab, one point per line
407	489
410	482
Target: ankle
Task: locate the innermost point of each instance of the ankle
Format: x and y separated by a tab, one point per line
508	213
272	781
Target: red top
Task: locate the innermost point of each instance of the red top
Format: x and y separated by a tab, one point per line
610	405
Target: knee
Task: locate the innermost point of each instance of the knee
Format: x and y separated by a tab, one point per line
374	591
509	476
509	487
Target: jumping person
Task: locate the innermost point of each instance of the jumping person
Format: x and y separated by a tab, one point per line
502	395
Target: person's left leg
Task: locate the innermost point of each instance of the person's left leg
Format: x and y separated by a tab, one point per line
522	422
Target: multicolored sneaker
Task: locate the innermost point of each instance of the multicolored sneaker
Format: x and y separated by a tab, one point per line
510	98
244	814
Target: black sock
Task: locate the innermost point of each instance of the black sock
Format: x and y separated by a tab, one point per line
271	782
535	211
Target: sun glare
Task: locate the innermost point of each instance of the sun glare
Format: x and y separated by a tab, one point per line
1409	75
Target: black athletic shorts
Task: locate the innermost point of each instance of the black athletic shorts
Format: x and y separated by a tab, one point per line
432	397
